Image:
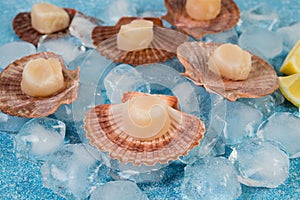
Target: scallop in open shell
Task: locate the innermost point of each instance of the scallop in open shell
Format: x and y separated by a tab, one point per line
262	79
23	28
163	46
227	18
15	102
145	129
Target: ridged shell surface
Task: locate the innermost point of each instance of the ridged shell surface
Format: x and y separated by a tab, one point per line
14	101
261	81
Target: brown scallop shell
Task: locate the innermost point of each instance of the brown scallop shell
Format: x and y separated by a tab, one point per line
162	48
177	16
14	102
102	128
261	81
23	28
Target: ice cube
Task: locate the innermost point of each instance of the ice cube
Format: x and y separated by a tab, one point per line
266	104
138	174
74	171
229	36
39	137
88	98
283	127
124	78
67	46
193	99
164	79
213	142
260	164
160	74
11	123
290	35
82	27
92	67
211	178
161	77
242	122
121	190
118	9
261	15
219	147
64	113
13	51
262	42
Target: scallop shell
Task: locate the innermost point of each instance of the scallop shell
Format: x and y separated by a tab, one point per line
177	16
14	102
162	48
103	130
261	81
23	28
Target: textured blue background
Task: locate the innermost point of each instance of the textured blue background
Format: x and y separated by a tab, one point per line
20	179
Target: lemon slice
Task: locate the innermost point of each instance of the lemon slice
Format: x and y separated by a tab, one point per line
291	64
290	88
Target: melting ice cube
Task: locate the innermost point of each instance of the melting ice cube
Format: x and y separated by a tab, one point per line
67	46
119	190
260	164
13	51
138	174
213	142
290	35
11	123
124	78
92	66
283	128
261	15
229	36
116	10
262	42
82	27
38	138
74	170
242	122
211	178
266	104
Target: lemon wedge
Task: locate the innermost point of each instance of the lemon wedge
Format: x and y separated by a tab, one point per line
290	88
291	64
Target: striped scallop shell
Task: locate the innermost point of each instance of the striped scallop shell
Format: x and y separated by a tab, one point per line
103	130
23	28
163	47
14	102
261	81
177	16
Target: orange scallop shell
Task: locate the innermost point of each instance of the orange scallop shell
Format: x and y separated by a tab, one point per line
162	48
177	16
23	28
102	128
261	81
14	102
